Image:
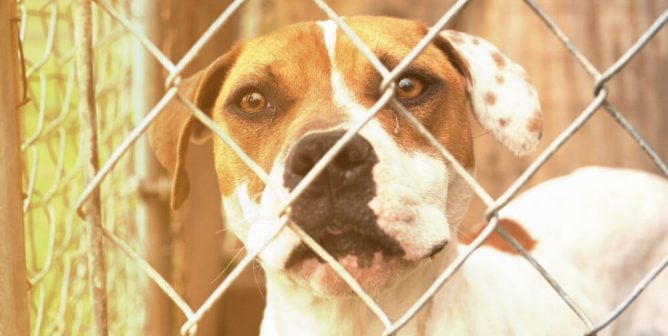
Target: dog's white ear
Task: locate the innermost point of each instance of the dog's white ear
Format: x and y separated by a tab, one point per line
503	100
171	133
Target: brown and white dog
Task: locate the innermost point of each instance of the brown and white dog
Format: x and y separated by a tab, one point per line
389	207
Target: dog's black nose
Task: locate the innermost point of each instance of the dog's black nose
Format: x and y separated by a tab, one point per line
347	166
334	208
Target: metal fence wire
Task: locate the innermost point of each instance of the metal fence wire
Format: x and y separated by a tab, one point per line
65	258
56	243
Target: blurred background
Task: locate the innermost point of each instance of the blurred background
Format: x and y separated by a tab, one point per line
191	248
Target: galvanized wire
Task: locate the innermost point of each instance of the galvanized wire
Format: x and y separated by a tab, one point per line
615	68
547	153
544	273
633	295
56	244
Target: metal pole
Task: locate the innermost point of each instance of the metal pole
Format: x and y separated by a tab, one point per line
153	222
90	163
14	317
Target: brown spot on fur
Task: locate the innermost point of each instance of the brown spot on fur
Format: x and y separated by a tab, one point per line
499	59
536	122
495	240
476	41
490	98
503	122
499	79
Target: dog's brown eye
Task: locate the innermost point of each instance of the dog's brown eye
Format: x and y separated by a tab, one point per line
409	87
253	102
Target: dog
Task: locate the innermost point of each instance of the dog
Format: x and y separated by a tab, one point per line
389	207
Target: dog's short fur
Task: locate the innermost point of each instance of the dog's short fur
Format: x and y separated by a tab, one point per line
389	207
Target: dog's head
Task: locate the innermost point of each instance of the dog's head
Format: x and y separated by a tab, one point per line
388	201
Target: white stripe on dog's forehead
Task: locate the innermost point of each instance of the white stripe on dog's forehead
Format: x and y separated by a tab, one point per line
329	28
342	96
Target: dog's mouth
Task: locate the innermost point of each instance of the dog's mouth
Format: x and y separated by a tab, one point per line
365	247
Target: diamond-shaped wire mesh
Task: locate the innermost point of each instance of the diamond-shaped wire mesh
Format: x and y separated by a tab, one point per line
55	238
56	248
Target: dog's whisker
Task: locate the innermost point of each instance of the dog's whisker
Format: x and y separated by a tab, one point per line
229	264
464	234
257	264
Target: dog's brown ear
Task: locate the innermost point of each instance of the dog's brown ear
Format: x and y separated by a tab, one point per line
503	100
172	131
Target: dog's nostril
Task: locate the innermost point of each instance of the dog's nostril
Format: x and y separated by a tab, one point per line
301	164
356	152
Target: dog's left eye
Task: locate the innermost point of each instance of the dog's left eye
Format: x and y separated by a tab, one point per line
253	102
410	87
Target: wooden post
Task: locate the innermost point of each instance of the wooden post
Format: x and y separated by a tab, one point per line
14	317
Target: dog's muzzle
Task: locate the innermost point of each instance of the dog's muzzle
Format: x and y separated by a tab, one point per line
334	209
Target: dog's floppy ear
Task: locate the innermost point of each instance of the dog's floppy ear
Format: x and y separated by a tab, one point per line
502	99
171	133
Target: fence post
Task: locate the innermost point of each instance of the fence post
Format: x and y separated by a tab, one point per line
153	220
14	317
90	163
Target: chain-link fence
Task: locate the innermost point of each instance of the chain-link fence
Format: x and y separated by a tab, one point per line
56	142
66	258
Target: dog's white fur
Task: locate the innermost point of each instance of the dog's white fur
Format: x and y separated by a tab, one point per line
600	230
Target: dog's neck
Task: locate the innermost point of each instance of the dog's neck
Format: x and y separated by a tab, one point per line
292	308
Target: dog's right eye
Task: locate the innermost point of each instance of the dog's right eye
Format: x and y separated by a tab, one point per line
410	87
252	102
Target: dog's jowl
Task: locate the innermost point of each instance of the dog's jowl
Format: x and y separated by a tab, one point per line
388	207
